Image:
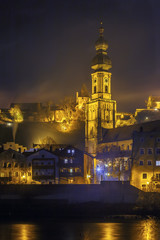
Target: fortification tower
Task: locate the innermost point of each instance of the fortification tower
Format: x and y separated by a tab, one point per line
100	109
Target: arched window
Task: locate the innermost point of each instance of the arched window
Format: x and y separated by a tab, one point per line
106	88
94	89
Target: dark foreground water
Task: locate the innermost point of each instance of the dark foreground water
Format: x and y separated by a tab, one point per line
120	230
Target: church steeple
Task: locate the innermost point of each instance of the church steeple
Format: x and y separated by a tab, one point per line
101	64
100	110
101	61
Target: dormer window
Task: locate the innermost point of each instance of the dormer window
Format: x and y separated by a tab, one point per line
106	89
95	80
106	80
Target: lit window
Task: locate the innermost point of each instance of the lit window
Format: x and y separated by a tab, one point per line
71	170
65	160
73	151
71	160
141	163
94	89
158	151
144	176
149	162
141	151
69	151
150	151
157	163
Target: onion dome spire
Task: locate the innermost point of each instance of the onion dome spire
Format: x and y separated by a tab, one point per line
101	61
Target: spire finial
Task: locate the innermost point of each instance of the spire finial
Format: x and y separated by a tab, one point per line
101	29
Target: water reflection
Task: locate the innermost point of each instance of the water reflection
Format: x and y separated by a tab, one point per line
24	232
123	230
149	229
18	232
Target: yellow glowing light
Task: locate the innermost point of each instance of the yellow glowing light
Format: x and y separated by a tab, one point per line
88	176
9	124
147	182
16	113
148	229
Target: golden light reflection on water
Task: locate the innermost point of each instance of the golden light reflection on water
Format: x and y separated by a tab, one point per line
148	229
111	231
24	232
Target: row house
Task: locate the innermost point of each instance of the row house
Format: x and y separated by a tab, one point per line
13	167
44	166
145	173
64	165
75	166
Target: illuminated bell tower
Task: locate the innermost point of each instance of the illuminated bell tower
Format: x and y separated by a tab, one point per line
100	109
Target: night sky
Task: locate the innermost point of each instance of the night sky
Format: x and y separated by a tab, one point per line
46	48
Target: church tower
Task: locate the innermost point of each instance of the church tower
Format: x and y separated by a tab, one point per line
100	109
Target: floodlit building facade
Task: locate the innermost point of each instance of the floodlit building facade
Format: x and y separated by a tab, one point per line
145	173
13	168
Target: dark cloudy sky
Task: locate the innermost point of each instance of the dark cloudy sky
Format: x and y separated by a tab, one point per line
46	47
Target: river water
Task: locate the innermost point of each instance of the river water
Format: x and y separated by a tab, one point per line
148	229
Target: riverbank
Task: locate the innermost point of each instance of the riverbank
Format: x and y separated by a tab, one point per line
101	201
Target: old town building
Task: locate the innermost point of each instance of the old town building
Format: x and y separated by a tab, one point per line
13	168
75	166
145	173
44	166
